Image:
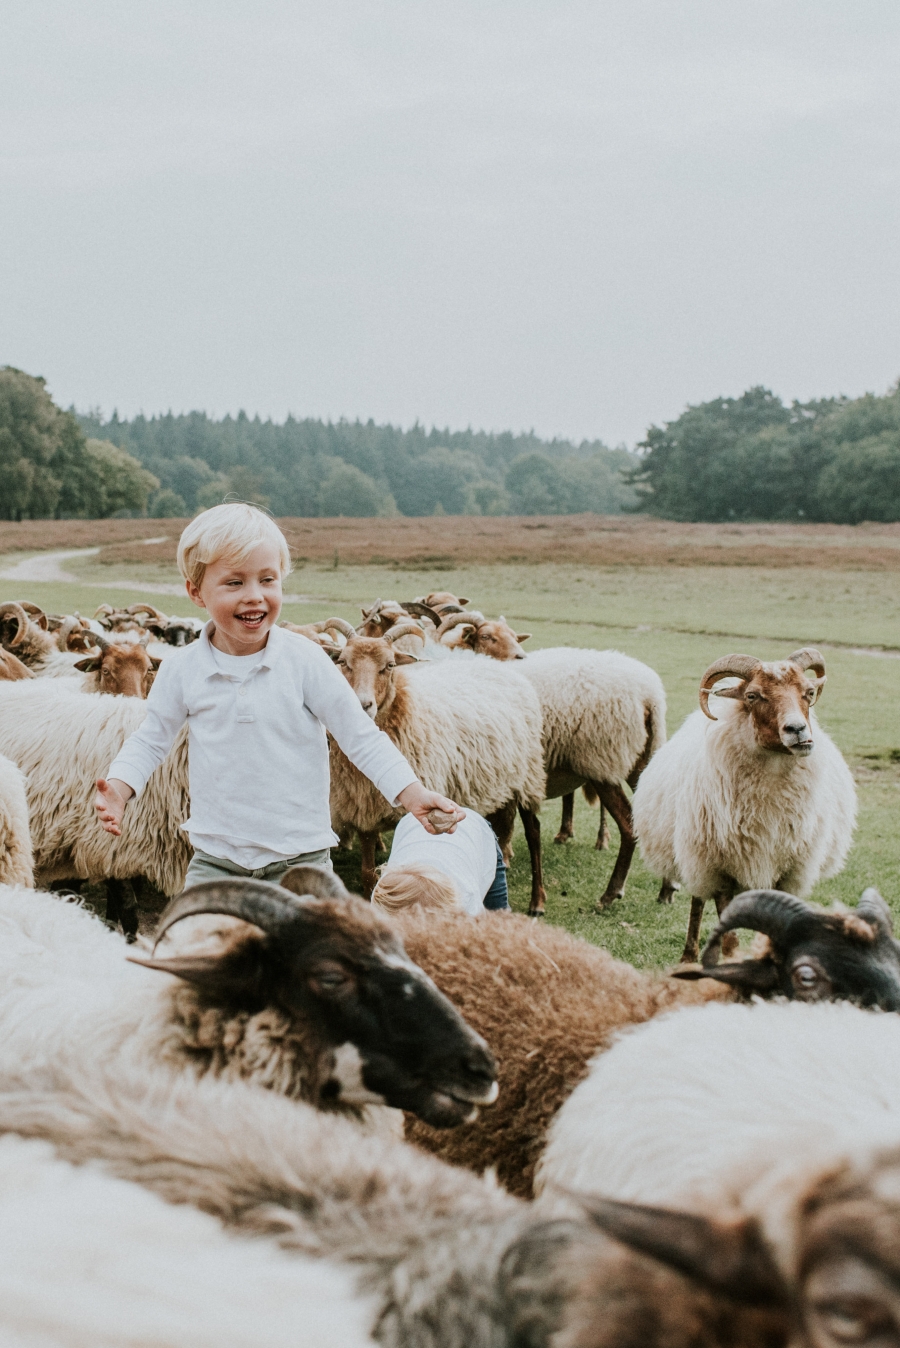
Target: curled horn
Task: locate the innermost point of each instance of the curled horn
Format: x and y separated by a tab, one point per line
36	613
149	610
100	641
410	629
417	610
770	911
16	609
809	658
457	620
873	909
738	666
264	905
337	625
318	881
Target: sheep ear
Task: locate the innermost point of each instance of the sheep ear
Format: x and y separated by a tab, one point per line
233	974
751	975
404	658
523	636
88	666
156	661
729	1257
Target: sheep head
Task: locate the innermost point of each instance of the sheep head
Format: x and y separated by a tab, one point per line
12	668
443	599
368	665
23	634
125	669
335	965
487	636
815	954
380	618
777	696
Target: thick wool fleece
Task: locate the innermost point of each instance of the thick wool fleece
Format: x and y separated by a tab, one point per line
88	1261
545	1002
598	708
730	1108
473	734
15	838
63	740
713	805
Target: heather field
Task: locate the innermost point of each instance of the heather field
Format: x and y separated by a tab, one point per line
675	596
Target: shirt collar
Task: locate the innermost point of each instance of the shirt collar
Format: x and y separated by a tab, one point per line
268	657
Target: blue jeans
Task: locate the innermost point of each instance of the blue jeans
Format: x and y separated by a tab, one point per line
497	896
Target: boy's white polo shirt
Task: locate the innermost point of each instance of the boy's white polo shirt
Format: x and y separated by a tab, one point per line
258	750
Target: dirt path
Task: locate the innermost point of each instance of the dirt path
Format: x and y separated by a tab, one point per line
44	568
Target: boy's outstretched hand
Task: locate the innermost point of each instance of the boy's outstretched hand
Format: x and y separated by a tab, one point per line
420	802
110	802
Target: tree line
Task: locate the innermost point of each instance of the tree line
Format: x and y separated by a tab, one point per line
311	467
836	460
747	458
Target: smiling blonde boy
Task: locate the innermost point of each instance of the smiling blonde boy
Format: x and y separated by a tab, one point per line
258	701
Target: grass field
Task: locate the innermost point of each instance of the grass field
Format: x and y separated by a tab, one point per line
674	596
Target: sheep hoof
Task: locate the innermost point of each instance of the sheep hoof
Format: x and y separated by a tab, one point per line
602	843
607	900
562	837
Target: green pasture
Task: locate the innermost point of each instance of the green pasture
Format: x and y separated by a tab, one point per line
677	619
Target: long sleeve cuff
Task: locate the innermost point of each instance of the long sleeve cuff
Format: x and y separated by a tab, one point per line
395	780
125	771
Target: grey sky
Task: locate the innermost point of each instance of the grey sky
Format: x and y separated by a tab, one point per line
570	216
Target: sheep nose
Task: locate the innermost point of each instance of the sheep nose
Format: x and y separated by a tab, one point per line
797	726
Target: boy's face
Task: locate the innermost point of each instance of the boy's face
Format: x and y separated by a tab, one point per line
242	598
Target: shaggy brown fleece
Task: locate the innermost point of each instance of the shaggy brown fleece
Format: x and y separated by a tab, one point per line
546	1002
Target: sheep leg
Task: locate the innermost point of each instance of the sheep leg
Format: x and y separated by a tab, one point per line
121	907
567	823
602	842
730	941
666	890
367	848
692	945
532	827
503	821
614	798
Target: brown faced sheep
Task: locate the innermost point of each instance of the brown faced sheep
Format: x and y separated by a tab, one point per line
120	668
758	798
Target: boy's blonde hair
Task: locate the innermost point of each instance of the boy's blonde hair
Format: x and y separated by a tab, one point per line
230	531
415	886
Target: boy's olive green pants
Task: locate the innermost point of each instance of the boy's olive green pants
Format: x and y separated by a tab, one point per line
205	867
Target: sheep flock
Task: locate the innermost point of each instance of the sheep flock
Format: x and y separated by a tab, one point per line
249	1114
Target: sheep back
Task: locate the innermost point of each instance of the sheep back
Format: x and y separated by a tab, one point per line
15	837
546	1002
599	708
710	806
63	740
85	1259
731	1106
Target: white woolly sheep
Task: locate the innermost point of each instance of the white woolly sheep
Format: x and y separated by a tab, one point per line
452	1260
473	735
789	1114
88	1261
63	741
604	716
758	799
15	837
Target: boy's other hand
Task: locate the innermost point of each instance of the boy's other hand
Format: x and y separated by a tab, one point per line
419	802
110	802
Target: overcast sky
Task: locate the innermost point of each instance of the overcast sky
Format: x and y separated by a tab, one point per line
576	217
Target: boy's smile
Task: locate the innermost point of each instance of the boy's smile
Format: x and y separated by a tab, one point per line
242	598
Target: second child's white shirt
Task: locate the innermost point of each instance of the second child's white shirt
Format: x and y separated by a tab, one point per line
258	751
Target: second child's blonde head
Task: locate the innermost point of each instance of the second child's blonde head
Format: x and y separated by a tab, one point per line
229	533
413	886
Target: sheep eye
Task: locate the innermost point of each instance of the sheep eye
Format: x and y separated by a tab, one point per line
805	975
330	980
855	1322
